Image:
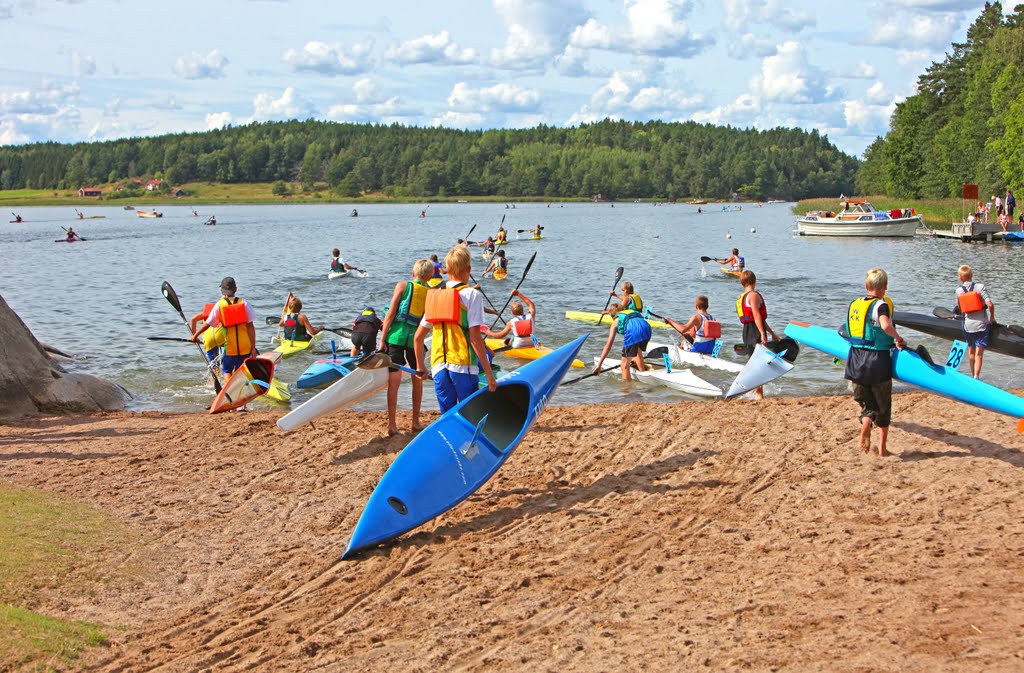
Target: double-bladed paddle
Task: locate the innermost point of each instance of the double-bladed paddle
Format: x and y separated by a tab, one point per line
521	279
76	235
618	277
523	231
271	320
172	298
176	339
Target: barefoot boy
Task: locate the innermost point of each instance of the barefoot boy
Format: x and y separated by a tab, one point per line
872	333
753	314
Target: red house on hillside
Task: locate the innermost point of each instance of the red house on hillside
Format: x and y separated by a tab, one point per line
90	191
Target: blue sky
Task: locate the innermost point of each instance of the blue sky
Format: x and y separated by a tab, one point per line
76	70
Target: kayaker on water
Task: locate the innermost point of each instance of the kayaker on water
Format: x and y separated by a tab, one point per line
502	237
338	264
72	236
521	326
236	316
972	300
636	333
488	245
17	218
498	266
296	324
401	319
701	328
454	315
735	262
872	333
365	328
753	315
629	299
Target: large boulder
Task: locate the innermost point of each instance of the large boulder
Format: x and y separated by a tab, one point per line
32	382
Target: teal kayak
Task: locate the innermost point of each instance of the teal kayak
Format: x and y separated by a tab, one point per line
909	367
456	454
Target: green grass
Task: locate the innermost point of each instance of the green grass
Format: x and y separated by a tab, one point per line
52	545
937	213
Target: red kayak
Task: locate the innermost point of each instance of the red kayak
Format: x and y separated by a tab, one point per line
248	382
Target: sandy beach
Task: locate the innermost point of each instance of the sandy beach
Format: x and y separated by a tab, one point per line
644	537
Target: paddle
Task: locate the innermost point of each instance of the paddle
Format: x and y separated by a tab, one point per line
271	320
523	231
379	360
587	376
172	298
76	235
705	258
470	232
283	311
521	279
177	339
618	276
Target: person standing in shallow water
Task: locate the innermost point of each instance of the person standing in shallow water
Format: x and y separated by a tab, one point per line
872	334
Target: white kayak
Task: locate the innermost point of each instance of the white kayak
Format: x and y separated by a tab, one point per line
337	274
684	358
763	367
682	380
360	385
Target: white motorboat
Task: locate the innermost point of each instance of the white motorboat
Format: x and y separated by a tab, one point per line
859	218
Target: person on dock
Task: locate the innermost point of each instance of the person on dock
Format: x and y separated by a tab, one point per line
872	335
1009	203
519	331
498	266
401	318
454	316
237	317
734	261
365	329
979	313
701	327
296	323
753	315
636	334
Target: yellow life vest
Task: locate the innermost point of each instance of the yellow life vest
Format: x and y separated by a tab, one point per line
450	342
234	318
860	332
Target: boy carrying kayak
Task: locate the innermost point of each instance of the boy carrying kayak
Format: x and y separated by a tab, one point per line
236	316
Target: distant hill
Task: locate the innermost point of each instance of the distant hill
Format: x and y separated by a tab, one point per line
621	160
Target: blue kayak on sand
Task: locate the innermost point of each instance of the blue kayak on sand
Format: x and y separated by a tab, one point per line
909	367
326	371
454	456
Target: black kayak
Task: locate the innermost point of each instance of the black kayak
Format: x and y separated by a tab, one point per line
1005	339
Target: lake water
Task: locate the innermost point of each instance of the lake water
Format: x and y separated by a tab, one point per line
101	298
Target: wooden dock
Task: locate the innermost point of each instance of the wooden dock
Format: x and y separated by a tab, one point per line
966	232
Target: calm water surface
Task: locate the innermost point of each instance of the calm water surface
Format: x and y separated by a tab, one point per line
101	298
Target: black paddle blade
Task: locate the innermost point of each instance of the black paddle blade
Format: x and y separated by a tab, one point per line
705	258
925	355
171	296
942	312
271	320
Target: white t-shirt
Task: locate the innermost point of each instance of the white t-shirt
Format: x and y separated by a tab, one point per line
472	300
213	320
975	321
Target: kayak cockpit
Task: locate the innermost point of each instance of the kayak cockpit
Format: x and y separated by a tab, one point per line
507	410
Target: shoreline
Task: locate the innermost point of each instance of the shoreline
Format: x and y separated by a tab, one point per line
675	533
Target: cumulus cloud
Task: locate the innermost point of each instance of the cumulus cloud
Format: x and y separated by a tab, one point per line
739	14
537	31
459	120
330	59
632	95
82	65
169	103
498	98
861	70
217	120
289	106
62	124
744	111
909	31
750	45
868	118
194	65
48	99
654	27
788	77
369	104
437	49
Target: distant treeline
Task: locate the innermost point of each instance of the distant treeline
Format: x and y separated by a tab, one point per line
622	160
965	124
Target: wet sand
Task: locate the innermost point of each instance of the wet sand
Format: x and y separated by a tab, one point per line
644	537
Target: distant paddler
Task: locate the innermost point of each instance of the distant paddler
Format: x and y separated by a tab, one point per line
734	261
498	266
71	235
502	237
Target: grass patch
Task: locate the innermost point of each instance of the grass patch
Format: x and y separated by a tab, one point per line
51	545
939	213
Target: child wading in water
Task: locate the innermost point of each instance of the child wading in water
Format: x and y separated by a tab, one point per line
872	333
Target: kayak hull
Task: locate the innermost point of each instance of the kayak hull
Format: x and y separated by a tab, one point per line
337	274
244	385
681	380
589	316
909	367
763	367
682	358
460	451
1000	339
360	385
525	353
326	371
288	348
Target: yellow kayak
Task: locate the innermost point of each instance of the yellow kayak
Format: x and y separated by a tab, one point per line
588	316
288	348
527	353
731	272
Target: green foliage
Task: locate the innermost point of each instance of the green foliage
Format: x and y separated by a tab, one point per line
619	159
964	123
280	188
41	642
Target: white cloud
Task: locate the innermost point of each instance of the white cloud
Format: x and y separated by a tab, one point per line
861	70
537	31
168	103
372	105
437	49
740	13
194	65
877	94
330	59
63	124
459	120
907	31
654	27
289	106
744	111
48	99
498	98
217	120
82	65
750	45
867	118
632	95
788	77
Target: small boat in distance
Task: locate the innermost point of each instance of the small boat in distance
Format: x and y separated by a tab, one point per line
146	213
859	218
129	207
696	203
